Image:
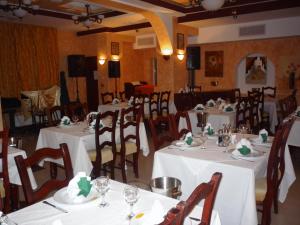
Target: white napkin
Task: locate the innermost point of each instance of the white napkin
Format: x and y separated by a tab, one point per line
199	107
130	101
65	121
227	106
207	127
156	214
147	99
220	100
210	103
263	131
94	114
115	101
73	189
240	144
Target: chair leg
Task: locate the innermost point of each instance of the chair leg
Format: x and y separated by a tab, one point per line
136	165
123	164
112	171
15	196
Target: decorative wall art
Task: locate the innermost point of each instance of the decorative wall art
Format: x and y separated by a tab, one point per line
115	48
256	70
214	61
180	41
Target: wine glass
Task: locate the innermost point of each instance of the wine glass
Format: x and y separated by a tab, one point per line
102	186
131	196
75	118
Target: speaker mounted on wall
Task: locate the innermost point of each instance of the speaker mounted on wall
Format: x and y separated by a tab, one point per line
76	65
193	58
114	69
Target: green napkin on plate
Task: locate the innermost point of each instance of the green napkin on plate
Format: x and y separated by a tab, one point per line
188	138
85	186
244	150
298	113
264	137
210	131
229	109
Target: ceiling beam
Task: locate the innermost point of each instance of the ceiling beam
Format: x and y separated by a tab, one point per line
168	5
115	29
245	9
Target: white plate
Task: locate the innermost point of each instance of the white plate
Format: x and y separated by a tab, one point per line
196	142
252	156
62	197
256	141
141	220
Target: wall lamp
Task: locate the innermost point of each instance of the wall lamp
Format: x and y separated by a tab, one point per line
167	53
101	61
180	55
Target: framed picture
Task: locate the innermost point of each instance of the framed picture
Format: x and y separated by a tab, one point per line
115	48
256	70
180	41
214	63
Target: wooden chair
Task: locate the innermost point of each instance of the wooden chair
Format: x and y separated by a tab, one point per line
79	109
162	131
4	177
269	91
206	191
105	152
240	112
31	195
175	120
267	188
154	104
254	110
164	103
54	115
237	94
130	142
139	105
107	97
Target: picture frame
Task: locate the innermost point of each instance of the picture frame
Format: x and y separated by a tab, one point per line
214	63
115	48
180	41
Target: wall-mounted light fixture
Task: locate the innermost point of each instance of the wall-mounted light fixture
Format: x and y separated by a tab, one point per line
101	61
180	54
167	53
115	58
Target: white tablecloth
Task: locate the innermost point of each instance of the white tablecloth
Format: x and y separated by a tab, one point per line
80	141
216	117
235	201
120	106
13	173
294	137
91	214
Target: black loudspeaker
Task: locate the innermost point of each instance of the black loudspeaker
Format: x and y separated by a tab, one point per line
76	65
193	58
114	69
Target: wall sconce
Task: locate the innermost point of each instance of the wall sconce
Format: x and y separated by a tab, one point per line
167	53
115	58
101	61
180	56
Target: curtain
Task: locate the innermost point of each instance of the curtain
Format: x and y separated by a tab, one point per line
28	58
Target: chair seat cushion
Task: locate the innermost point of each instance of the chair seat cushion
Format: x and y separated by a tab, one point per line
260	189
130	148
106	154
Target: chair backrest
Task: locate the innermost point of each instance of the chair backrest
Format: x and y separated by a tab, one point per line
254	110
288	104
54	115
31	195
4	172
269	91
154	104
162	130
79	109
107	117
164	102
107	97
206	191
240	112
237	93
139	105
184	115
125	123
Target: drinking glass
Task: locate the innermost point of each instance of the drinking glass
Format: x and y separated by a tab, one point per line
131	196
102	186
75	118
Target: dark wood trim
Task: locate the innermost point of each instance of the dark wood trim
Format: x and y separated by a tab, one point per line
115	29
112	14
245	9
168	5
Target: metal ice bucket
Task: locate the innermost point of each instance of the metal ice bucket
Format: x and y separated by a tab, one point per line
168	186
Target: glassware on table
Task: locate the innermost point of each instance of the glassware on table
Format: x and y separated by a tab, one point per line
75	118
131	196
102	186
202	119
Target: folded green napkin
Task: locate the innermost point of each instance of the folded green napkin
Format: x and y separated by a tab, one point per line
298	113
210	131
189	140
244	150
199	108
66	122
229	109
85	186
264	137
211	104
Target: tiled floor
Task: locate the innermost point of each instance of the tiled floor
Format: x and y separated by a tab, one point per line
288	211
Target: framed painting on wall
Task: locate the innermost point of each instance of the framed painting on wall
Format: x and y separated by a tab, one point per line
115	48
214	62
256	70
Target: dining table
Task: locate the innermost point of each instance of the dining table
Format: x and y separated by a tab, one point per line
119	106
235	200
293	138
89	212
80	140
216	117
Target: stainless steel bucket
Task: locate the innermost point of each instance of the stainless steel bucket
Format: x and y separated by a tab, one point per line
168	186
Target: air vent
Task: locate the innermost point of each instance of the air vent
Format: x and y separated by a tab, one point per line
145	41
252	30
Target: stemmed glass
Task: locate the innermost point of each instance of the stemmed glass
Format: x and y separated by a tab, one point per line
75	119
102	186
131	196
